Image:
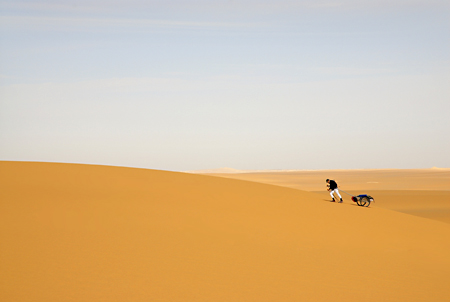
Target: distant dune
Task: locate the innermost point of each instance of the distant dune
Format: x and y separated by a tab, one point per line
219	170
372	179
73	232
420	192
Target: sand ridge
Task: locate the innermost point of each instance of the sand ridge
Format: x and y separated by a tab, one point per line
437	179
96	233
420	192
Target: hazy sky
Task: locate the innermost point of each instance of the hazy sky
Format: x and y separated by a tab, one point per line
183	85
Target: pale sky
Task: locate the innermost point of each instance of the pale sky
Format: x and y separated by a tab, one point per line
184	85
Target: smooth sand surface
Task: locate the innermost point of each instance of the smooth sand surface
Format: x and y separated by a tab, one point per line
428	204
97	233
420	192
380	179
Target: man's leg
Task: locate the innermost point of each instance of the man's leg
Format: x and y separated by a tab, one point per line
337	191
332	196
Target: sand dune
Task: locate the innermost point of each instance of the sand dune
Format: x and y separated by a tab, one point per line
364	179
427	204
96	233
216	171
420	192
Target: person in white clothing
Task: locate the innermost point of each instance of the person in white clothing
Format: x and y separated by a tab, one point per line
333	187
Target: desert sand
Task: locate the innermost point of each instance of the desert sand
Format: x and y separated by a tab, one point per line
72	232
420	192
364	179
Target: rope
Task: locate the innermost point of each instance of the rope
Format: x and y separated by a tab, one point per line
346	192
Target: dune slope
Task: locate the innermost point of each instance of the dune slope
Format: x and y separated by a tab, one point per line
420	192
96	233
436	179
426	203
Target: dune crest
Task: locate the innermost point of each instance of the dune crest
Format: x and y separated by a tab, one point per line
97	233
372	179
219	170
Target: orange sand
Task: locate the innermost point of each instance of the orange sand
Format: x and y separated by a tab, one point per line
96	233
380	179
428	204
420	192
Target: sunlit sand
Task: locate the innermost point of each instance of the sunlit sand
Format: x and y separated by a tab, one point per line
420	192
97	233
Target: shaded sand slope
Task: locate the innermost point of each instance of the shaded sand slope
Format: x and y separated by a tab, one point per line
97	233
420	192
428	204
378	179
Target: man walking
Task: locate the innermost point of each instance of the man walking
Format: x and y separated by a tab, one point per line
333	187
